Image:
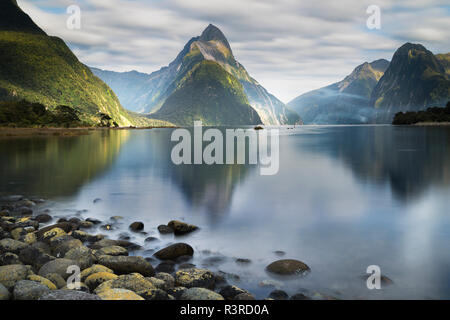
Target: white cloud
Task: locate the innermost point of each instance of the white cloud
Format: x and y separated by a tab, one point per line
289	46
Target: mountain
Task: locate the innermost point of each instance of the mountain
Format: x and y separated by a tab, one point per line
415	80
151	94
210	94
42	69
344	102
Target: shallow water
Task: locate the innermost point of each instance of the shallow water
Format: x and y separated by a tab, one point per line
345	197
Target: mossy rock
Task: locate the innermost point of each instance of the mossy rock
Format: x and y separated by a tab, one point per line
119	294
112	251
288	267
57	280
134	282
82	255
194	277
96	268
154	295
127	265
181	228
175	251
42	280
200	294
58	266
11	274
96	279
53	233
29	290
11	245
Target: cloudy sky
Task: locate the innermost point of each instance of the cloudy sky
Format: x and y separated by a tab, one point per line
289	46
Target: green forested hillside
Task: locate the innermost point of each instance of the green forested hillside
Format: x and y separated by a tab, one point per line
208	93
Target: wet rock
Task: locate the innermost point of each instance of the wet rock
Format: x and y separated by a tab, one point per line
200	294
29	290
86	225
112	251
98	200
299	296
121	243
163	229
159	284
227	276
93	220
83	257
270	284
154	295
126	265
288	267
58	266
244	296
190	278
134	282
151	239
230	292
137	226
186	266
4	293
66	226
43	218
61	245
243	262
96	279
9	258
183	259
385	281
68	295
23	211
174	251
97	268
86	237
124	236
29	238
13	246
116	218
17	233
280	253
42	246
166	266
56	279
169	281
9	275
278	295
213	261
119	294
44	281
181	228
75	220
177	292
34	257
107	227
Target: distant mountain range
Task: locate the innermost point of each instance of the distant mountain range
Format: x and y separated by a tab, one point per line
374	92
159	93
42	69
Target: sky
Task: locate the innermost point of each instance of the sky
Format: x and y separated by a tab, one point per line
289	46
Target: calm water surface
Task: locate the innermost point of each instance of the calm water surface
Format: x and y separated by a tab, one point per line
345	197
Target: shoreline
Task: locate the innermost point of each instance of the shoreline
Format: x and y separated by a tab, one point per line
6	132
36	249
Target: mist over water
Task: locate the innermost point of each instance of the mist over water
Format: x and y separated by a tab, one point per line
345	197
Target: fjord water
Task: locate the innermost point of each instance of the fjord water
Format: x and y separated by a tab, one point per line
345	198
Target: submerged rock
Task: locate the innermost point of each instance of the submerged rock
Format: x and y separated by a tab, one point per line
288	267
174	251
163	229
181	228
230	292
137	226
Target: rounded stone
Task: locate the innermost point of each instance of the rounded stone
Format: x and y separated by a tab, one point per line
174	251
288	267
9	258
68	295
163	229
96	268
43	218
154	295
230	292
200	294
244	296
13	246
46	282
96	279
134	282
10	275
4	293
57	280
278	295
112	251
119	294
126	265
181	228
137	226
29	290
190	278
83	257
58	266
